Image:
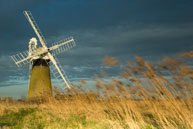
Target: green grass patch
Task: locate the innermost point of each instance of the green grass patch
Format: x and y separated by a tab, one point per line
15	119
33	118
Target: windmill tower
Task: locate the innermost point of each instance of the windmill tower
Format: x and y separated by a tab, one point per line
42	60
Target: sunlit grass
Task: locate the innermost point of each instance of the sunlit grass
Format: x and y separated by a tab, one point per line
145	95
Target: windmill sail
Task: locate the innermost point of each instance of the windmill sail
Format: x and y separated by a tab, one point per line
57	76
62	46
21	58
58	71
35	27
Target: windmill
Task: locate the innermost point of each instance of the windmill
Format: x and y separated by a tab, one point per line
42	60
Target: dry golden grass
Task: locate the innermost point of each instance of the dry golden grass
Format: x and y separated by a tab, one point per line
145	95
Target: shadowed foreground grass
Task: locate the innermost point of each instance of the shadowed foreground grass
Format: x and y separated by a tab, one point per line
144	96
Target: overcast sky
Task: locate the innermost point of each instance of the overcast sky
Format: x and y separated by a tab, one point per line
119	28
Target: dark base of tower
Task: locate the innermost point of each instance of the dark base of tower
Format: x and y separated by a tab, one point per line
40	82
40	100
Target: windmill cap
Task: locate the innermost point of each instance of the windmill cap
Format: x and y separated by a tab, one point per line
33	41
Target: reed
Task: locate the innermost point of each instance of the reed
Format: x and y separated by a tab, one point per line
144	96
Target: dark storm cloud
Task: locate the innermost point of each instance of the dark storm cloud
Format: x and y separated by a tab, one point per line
15	29
122	29
127	42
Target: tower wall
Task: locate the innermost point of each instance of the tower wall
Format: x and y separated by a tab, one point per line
40	82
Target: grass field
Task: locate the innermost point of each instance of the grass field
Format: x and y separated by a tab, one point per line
144	96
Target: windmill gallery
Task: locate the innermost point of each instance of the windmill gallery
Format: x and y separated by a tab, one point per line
41	60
